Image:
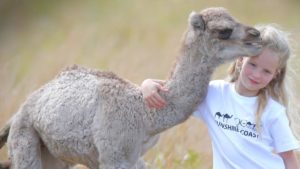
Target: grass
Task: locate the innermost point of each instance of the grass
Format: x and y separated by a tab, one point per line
137	39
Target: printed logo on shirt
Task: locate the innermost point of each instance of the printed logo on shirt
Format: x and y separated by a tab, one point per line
234	124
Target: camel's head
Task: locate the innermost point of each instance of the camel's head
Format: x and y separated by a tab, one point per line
220	37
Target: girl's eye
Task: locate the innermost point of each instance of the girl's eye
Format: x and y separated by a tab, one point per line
267	71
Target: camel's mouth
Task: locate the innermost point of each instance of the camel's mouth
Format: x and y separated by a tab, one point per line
253	43
254	47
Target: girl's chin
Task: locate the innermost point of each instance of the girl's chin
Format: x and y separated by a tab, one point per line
253	89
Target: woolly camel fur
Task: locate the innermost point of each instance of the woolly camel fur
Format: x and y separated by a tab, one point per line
97	119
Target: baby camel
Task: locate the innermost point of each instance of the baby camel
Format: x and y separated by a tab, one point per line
97	119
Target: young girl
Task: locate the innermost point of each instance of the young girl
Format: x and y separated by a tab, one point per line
247	116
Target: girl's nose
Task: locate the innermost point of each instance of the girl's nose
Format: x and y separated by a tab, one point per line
256	73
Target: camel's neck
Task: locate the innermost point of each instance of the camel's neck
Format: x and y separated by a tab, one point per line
187	88
188	84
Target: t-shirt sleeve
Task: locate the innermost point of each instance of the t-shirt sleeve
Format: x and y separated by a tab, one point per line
283	137
213	93
200	109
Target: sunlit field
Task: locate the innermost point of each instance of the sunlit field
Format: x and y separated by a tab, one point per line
136	39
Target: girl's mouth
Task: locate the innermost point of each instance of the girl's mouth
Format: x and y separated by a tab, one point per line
254	81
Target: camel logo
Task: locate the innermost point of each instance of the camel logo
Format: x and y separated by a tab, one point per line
245	123
224	116
244	127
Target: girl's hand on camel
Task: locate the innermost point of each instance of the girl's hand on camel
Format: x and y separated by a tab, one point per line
150	89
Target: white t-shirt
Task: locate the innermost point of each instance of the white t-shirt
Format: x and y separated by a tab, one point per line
230	119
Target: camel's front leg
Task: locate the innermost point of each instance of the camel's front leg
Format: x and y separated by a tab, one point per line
140	164
117	153
112	157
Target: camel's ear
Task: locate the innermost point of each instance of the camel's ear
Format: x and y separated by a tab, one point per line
196	21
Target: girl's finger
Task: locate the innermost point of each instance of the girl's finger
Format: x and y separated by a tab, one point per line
164	89
158	101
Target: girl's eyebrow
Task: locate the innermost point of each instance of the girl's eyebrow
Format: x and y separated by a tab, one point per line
252	61
275	70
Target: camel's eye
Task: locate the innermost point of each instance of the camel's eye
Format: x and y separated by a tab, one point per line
225	34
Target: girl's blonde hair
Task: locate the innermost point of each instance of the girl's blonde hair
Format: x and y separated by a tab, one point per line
279	89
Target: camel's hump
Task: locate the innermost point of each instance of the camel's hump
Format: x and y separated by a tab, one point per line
74	69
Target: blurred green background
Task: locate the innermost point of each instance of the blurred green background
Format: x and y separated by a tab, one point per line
136	39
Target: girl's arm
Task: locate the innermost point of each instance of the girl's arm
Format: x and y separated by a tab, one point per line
290	160
150	88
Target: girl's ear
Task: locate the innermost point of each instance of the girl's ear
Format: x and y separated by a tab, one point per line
238	65
239	61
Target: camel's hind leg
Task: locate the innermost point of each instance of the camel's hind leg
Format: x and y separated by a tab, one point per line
48	161
24	145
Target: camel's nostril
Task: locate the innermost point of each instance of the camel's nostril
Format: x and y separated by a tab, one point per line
254	32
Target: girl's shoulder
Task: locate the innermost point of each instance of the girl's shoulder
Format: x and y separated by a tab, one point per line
274	109
218	88
275	105
218	83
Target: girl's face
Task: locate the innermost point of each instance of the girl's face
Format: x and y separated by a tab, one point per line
257	72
